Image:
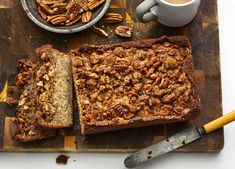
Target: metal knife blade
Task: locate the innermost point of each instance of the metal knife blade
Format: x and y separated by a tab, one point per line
169	144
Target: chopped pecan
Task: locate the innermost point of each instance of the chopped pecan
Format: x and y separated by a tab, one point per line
172	52
171	63
113	18
123	31
120	67
182	77
138	87
137	75
94	75
143	97
169	98
11	102
99	31
164	83
86	16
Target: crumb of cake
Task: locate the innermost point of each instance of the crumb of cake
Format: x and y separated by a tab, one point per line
62	159
11	102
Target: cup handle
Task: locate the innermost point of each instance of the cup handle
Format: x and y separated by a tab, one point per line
143	12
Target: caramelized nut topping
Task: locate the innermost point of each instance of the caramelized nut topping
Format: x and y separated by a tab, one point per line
118	84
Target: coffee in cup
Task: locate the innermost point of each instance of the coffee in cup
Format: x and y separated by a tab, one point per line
177	1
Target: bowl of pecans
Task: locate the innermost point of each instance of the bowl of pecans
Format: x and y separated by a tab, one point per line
65	16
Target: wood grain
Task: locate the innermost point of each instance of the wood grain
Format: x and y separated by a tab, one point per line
19	37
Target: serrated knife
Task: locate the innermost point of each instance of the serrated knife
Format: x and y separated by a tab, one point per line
178	140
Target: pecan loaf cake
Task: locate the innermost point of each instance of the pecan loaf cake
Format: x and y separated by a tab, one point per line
27	106
54	77
45	90
135	84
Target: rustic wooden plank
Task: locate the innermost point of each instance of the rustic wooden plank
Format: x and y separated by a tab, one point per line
4	54
5	24
2	118
19	37
6	4
20	27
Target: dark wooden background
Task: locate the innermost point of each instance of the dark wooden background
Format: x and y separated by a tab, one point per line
19	37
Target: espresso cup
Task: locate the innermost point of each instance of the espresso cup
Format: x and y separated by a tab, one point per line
169	14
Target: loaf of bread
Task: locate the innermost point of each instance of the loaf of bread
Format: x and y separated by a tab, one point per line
27	107
55	99
135	84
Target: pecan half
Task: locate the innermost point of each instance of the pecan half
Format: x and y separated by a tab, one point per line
50	2
123	31
68	22
59	20
113	18
99	31
58	8
83	5
42	13
120	109
46	8
73	9
86	16
92	4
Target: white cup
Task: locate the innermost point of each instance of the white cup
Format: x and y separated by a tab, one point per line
169	14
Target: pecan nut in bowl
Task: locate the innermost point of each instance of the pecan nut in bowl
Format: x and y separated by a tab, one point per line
80	14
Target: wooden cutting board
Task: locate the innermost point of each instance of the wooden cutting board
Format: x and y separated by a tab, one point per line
19	37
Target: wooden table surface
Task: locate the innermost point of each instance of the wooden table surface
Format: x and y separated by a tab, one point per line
19	37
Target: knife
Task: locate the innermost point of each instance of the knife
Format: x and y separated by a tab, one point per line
178	140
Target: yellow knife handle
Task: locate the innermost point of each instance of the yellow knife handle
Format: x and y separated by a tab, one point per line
220	122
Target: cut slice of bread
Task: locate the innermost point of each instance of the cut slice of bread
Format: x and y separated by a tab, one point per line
27	107
55	97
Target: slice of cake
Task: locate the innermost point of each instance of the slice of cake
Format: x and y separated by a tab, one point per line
26	114
135	84
45	89
54	78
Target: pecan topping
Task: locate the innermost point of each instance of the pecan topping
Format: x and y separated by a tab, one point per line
135	82
113	18
123	31
99	31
